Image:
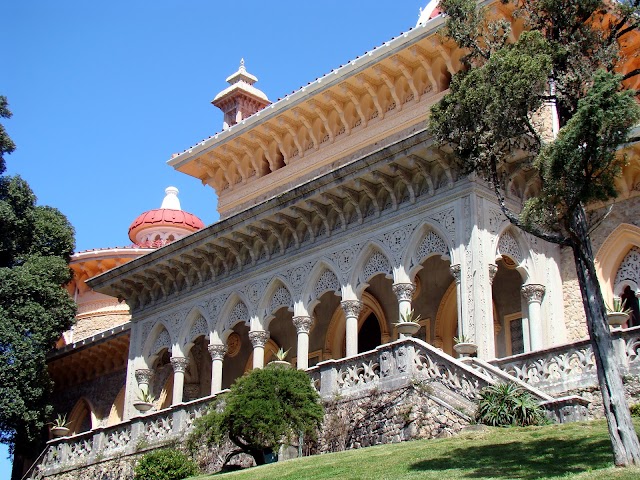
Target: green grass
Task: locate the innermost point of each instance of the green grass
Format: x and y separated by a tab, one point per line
578	450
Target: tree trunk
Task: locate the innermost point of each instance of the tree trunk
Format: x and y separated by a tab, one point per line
624	441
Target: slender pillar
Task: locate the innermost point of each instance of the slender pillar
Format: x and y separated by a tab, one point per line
352	309
457	275
404	292
303	326
258	339
143	377
179	365
533	294
217	353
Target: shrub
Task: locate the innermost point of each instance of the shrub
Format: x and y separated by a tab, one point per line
507	404
165	464
635	410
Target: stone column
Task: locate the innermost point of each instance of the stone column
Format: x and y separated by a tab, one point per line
258	339
404	292
533	294
217	353
457	275
352	309
303	326
179	365
143	377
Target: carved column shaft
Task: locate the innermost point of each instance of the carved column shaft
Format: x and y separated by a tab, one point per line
352	309
456	272
533	294
258	339
217	353
303	326
179	365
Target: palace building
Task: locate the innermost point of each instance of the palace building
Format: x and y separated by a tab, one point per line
339	217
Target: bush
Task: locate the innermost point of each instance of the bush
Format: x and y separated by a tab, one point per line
635	410
165	464
507	404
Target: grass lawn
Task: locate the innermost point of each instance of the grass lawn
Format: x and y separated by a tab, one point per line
578	450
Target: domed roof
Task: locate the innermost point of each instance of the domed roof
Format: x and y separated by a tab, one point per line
168	215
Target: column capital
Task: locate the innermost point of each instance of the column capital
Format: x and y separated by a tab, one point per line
456	272
533	292
179	364
217	351
404	291
143	376
352	308
493	269
303	324
258	338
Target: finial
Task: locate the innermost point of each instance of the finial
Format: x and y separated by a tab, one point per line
171	201
242	64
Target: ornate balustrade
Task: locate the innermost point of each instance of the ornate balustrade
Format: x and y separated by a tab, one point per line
567	367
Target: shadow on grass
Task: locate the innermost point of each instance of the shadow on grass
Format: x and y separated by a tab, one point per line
542	458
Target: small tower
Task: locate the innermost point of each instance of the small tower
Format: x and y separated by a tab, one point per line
240	99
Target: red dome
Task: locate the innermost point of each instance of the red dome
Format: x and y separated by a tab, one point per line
164	217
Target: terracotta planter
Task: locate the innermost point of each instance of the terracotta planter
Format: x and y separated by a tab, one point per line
407	329
142	406
617	319
464	349
59	431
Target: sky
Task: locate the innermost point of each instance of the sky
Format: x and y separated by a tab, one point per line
102	93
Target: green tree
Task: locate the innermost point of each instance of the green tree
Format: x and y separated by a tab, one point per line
165	464
6	144
565	67
36	243
261	411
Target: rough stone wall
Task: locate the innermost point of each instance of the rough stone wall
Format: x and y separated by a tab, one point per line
88	326
595	410
626	211
386	417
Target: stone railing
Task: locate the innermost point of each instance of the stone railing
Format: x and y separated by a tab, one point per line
567	367
101	444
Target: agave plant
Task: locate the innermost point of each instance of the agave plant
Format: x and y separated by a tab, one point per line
618	306
409	317
146	397
508	404
281	355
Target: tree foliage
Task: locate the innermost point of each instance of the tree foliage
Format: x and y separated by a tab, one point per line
36	243
552	103
165	464
263	410
6	144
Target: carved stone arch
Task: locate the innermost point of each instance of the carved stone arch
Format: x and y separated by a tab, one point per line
514	251
234	312
628	273
612	254
158	340
276	296
373	260
446	320
82	417
427	240
196	324
116	413
335	337
322	279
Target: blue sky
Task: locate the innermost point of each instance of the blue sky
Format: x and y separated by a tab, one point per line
104	92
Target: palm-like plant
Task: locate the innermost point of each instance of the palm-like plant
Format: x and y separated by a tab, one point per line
507	404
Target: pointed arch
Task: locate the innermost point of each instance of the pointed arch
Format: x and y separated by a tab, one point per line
612	254
82	417
373	260
158	340
322	279
196	324
116	414
276	295
426	241
235	311
512	247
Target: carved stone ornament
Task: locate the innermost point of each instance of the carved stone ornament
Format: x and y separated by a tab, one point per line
143	376
404	291
493	269
179	364
352	308
217	352
456	273
303	324
533	292
234	342
258	338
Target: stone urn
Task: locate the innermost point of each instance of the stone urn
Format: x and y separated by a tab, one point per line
617	319
59	431
465	349
142	406
280	364
407	329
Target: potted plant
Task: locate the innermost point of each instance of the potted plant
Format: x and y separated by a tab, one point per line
617	313
280	355
144	402
60	426
464	346
408	324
